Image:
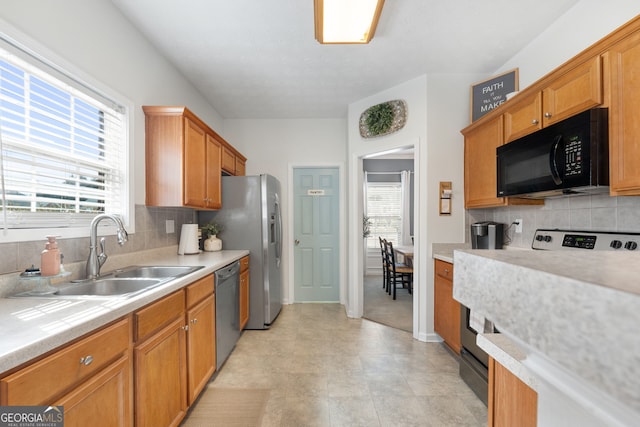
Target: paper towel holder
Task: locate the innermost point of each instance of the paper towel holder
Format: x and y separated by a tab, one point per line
445	197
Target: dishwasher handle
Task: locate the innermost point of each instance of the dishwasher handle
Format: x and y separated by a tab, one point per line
227	272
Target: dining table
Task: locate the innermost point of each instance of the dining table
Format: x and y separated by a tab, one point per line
407	253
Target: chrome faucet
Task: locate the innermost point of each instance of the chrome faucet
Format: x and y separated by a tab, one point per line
95	260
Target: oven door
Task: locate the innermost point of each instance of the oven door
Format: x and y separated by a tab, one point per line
468	337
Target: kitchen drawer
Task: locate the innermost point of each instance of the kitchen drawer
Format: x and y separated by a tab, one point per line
444	269
39	383
199	290
244	263
158	314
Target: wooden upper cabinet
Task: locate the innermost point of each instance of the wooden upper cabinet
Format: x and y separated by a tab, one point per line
570	93
228	160
480	182
624	127
184	159
233	162
573	92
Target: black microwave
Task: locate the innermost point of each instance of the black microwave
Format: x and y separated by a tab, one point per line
570	157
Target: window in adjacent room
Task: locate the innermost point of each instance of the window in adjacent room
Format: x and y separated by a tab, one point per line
384	203
64	146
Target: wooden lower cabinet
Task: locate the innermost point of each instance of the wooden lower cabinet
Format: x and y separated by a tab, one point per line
161	372
175	355
201	345
91	378
104	400
511	402
244	292
446	309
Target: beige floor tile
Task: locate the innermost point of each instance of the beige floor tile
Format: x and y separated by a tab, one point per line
324	369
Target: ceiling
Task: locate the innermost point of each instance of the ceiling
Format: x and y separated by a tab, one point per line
259	58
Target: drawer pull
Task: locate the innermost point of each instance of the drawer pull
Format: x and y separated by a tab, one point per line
534	122
86	361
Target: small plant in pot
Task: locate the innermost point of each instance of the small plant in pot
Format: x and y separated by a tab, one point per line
212	243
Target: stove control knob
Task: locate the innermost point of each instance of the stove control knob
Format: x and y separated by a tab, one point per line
631	245
539	237
547	239
616	244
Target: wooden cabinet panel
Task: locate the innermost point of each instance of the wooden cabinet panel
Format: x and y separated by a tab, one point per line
199	290
161	369
201	346
194	164
523	117
240	167
158	314
571	93
228	160
244	291
103	401
480	183
446	309
44	380
213	167
511	402
624	126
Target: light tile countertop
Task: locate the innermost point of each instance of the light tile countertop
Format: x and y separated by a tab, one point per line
579	311
30	327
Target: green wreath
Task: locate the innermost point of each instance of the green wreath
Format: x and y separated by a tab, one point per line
379	118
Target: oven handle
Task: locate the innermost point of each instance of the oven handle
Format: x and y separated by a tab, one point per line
553	164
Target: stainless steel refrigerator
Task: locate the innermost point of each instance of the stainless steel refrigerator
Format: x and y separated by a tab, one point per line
250	219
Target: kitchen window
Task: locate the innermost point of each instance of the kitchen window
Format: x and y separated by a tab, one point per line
64	148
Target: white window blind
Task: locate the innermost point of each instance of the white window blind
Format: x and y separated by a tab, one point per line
384	205
63	147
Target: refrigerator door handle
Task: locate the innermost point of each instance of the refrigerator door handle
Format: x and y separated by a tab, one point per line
278	232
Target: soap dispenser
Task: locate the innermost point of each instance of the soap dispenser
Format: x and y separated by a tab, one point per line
50	258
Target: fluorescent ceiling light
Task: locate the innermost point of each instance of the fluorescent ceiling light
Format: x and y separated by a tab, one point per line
346	21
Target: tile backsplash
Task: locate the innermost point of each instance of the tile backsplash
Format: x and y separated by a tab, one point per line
150	234
587	213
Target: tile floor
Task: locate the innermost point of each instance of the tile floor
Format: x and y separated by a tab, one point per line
324	369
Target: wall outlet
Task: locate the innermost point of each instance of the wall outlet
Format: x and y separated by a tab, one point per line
518	225
170	226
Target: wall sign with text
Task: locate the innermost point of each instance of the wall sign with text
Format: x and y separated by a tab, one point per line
489	94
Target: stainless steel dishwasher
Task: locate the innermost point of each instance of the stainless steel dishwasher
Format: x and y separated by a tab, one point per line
227	311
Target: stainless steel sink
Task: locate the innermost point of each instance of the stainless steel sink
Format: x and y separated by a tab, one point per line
123	283
109	287
155	271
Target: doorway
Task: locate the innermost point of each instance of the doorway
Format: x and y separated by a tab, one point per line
388	206
316	233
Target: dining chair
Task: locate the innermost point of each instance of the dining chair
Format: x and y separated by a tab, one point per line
397	272
383	252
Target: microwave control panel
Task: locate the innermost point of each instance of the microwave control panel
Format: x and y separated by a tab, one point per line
573	156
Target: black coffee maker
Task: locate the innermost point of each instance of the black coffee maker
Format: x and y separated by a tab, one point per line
487	235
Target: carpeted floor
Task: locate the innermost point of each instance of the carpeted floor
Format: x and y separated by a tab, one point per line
228	407
380	307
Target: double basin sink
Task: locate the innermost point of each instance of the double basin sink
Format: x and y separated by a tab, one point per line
122	283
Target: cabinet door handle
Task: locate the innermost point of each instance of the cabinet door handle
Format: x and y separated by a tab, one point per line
547	115
86	361
194	321
534	121
185	328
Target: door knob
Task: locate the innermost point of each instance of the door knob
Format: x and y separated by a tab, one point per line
297	242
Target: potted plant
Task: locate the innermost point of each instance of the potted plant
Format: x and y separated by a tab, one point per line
212	243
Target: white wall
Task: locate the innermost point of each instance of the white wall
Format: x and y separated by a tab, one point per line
275	147
437	110
580	27
97	41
